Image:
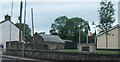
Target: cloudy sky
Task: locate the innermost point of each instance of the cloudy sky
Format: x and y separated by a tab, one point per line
46	11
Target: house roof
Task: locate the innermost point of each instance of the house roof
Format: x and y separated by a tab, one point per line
51	38
114	27
5	21
2	21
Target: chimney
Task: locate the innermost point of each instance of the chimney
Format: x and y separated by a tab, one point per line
7	17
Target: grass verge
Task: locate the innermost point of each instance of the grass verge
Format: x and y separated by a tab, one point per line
97	51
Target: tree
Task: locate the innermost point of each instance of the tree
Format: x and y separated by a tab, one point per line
27	30
58	25
106	13
67	28
42	32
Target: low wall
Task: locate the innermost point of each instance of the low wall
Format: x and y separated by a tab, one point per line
56	55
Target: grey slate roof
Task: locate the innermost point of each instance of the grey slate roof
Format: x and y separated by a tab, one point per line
2	21
5	21
51	38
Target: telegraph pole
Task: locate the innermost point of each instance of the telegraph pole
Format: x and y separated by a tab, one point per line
20	33
20	18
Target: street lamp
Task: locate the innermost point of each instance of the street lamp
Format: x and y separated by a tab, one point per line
79	38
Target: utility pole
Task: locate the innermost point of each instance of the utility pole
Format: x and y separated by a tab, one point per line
32	27
20	18
20	34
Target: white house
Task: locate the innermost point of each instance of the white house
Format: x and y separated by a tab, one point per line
8	31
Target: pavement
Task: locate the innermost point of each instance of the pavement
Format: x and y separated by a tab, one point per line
8	58
17	58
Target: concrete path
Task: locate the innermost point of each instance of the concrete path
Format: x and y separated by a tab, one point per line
19	58
9	58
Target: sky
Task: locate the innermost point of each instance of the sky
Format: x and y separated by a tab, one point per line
46	11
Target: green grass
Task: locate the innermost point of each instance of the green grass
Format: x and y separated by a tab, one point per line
68	50
97	51
108	52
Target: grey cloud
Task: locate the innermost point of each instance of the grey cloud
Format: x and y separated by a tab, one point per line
45	13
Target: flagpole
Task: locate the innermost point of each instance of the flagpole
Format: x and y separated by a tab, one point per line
10	24
95	41
79	36
32	27
87	34
23	48
95	38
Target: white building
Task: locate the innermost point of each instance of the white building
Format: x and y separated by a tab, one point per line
8	31
113	39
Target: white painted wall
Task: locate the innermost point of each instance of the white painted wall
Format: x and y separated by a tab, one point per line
0	33
119	38
5	32
112	40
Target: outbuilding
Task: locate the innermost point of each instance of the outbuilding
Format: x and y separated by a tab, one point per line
46	41
113	39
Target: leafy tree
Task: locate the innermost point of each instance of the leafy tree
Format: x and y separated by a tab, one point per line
67	28
27	30
106	13
58	27
42	32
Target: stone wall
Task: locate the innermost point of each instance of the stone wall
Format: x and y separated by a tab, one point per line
56	55
12	45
